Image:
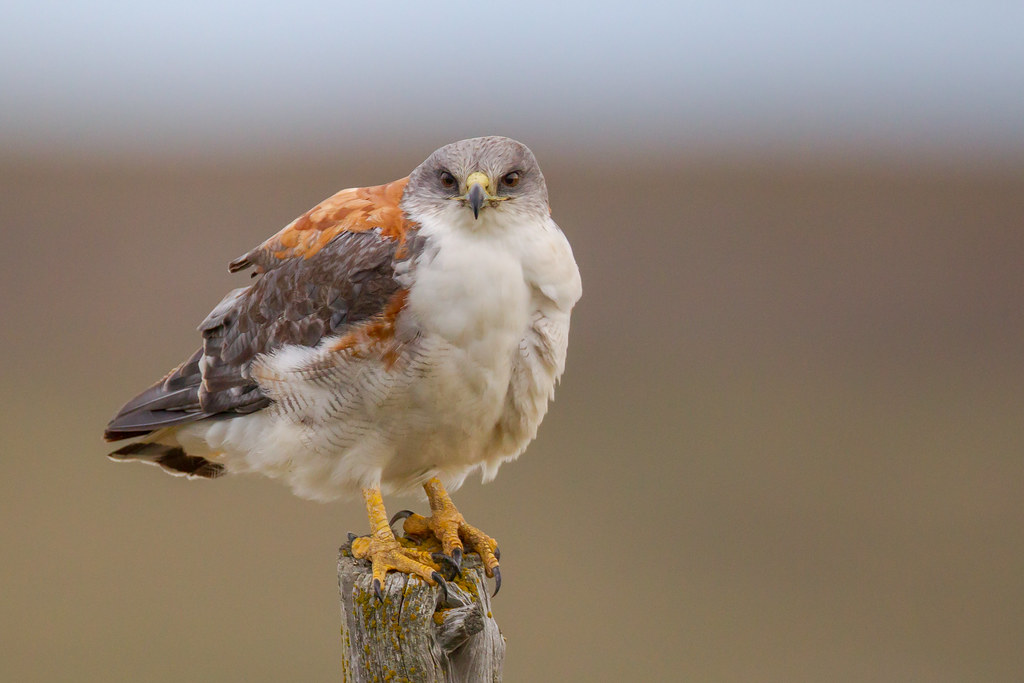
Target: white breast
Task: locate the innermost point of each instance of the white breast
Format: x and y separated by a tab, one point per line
516	286
473	294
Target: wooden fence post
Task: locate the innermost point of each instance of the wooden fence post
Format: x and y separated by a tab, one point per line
415	635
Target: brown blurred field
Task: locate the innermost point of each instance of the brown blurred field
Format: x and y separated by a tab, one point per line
788	446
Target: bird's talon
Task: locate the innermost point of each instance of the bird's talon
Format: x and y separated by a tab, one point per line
377	591
457	557
446	563
497	553
401	514
442	583
497	581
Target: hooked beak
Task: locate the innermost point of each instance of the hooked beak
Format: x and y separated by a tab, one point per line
476	196
479	190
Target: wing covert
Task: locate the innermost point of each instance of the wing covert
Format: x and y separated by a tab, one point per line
357	209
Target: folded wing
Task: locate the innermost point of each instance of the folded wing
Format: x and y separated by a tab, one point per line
327	273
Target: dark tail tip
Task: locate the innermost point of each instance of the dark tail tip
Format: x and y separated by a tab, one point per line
172	459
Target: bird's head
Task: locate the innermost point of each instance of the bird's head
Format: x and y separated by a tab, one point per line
478	181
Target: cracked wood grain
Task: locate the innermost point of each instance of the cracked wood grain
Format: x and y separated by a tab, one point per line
414	635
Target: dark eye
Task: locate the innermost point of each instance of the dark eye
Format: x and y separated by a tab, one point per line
511	179
447	180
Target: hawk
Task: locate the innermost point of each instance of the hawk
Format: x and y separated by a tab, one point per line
395	336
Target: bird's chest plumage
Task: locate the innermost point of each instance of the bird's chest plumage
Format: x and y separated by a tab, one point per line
472	307
493	318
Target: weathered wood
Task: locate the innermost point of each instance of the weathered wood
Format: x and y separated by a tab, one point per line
416	635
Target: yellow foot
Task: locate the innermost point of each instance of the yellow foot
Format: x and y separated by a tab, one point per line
449	527
386	554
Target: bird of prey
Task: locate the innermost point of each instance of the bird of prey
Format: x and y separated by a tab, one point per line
396	336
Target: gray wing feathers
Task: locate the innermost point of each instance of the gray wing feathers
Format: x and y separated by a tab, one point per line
297	301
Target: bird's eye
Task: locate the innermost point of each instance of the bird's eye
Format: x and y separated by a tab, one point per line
511	179
447	180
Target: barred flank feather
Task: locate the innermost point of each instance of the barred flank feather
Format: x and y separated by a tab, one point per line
172	459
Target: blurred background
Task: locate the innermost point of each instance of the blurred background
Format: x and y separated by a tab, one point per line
788	446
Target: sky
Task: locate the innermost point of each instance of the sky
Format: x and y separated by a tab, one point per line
197	78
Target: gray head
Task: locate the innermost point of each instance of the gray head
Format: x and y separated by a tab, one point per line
479	179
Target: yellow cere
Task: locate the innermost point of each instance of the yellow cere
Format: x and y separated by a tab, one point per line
482	179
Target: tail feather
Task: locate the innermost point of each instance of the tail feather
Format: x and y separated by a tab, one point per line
142	422
187	395
159	398
173	459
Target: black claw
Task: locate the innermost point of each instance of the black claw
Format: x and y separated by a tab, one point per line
377	591
497	581
442	583
351	537
401	514
497	553
450	569
457	557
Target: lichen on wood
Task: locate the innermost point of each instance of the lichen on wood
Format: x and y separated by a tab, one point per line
415	634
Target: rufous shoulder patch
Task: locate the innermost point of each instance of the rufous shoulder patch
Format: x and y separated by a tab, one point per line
356	209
